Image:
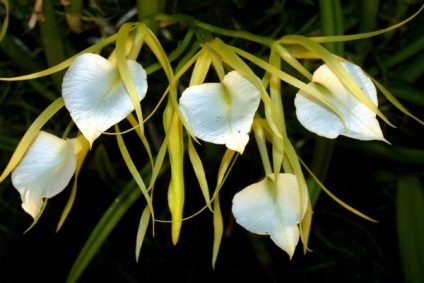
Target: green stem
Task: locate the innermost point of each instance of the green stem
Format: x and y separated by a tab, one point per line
5	24
237	34
19	56
367	15
332	23
217	30
73	13
137	43
52	41
410	227
146	8
263	151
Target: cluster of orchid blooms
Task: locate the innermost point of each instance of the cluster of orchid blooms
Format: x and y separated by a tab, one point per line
339	98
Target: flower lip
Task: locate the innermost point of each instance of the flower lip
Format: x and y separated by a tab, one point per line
222	113
96	97
44	171
262	210
361	122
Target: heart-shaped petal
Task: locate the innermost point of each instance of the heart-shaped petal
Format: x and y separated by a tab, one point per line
262	210
222	113
361	122
95	95
44	171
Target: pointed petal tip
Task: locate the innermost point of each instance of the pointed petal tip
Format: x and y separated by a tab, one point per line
91	142
32	208
238	143
386	141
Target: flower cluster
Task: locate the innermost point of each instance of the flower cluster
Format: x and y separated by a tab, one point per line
96	99
339	99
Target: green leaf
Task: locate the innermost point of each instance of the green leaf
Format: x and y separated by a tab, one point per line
410	227
5	23
103	228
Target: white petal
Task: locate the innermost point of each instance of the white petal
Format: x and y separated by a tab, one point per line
95	95
361	122
254	208
261	210
44	171
222	113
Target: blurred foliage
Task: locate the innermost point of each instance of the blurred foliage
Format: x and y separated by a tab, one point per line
365	175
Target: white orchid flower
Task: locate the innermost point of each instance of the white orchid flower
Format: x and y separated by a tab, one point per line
222	113
45	170
272	209
361	122
95	95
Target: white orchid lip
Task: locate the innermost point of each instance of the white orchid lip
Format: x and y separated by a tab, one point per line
262	210
95	95
222	113
361	122
44	171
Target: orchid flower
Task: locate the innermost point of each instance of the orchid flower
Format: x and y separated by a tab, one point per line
272	209
222	113
360	121
45	169
95	95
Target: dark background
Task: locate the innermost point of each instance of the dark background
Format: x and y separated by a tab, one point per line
343	246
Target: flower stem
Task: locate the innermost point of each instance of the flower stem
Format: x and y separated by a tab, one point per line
214	29
73	14
148	7
263	151
332	24
237	34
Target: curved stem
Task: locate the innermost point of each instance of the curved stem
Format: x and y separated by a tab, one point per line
214	29
237	34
